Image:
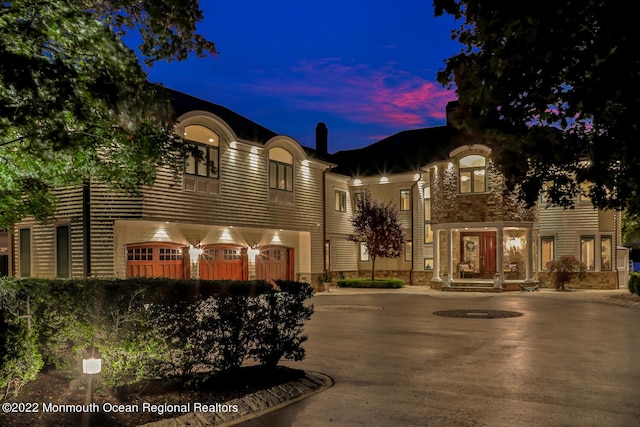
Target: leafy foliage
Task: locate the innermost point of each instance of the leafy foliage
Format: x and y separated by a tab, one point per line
376	223
75	103
545	85
634	283
565	269
149	328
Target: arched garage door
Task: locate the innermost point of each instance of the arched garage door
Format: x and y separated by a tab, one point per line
223	262
275	262
156	260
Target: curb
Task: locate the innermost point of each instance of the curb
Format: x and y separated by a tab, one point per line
253	405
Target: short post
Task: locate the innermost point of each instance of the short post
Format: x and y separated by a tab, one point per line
91	365
497	282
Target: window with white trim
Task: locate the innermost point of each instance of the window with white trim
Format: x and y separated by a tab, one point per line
63	251
588	252
547	255
405	200
280	169
341	201
472	174
203	157
428	232
606	250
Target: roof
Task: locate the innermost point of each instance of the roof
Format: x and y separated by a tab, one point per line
244	128
406	151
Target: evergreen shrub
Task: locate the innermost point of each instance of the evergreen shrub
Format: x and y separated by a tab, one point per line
368	283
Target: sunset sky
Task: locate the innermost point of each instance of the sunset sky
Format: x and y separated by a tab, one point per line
365	68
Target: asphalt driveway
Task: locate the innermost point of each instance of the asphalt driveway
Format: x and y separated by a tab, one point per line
566	361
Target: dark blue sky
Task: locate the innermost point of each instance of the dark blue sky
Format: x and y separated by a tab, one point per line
365	68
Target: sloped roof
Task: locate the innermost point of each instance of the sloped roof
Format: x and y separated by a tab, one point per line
403	152
244	128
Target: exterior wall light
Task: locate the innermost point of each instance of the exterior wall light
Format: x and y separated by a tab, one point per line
194	253
253	252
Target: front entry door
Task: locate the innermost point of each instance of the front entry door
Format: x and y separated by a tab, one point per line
480	249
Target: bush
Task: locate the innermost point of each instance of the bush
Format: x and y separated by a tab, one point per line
150	328
634	283
565	269
368	283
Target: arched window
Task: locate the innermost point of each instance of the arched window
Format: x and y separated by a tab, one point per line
280	169
473	174
203	157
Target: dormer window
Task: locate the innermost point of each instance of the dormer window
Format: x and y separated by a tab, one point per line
280	169
473	174
203	154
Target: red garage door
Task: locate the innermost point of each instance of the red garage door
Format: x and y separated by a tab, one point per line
156	260
223	262
274	262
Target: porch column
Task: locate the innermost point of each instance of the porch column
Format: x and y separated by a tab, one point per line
450	252
500	252
529	265
436	256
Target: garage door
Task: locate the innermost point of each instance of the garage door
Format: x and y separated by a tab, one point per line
223	262
275	262
156	260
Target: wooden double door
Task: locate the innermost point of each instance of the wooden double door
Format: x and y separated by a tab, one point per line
480	249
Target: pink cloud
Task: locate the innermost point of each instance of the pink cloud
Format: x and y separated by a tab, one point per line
359	92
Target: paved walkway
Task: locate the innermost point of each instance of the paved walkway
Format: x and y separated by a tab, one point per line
267	401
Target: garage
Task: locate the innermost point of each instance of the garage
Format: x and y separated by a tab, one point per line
156	260
223	262
275	262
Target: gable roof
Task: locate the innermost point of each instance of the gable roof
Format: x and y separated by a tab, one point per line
405	151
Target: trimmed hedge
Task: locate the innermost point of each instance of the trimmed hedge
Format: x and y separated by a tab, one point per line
368	283
148	328
634	283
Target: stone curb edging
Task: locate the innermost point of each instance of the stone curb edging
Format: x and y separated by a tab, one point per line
255	404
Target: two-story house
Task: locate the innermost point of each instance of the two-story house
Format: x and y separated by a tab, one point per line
255	204
248	206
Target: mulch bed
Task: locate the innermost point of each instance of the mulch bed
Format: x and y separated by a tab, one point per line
55	389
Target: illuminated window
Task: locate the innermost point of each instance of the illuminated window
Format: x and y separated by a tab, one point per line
280	169
341	201
605	253
428	232
546	252
587	251
364	253
203	154
408	252
405	200
472	174
585	189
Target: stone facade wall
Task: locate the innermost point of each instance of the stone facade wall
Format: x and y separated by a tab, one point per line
496	204
592	280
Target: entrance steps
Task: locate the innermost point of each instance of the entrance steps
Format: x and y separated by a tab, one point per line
470	285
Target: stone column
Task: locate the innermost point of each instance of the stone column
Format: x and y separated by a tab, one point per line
529	266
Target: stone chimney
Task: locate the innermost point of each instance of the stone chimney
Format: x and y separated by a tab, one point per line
322	138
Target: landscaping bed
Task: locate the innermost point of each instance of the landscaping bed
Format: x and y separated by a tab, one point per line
54	388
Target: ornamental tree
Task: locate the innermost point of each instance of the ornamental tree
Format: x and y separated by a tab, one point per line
376	224
75	103
556	88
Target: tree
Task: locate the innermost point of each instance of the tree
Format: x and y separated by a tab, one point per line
75	103
557	89
376	224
